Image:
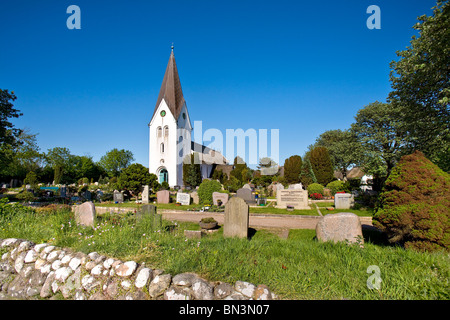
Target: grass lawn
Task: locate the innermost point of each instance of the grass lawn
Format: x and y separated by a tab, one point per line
296	268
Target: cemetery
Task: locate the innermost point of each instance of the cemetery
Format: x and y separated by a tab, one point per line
194	225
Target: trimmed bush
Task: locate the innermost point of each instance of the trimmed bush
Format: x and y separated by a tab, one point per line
414	205
336	186
315	188
206	189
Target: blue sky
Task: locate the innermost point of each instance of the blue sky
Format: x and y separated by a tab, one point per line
302	67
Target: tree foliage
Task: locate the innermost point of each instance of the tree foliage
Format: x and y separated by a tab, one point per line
321	165
420	82
8	134
114	161
134	177
307	175
192	175
206	189
414	205
292	169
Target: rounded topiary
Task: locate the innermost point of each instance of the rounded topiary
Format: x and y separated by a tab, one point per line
315	188
414	205
206	189
336	186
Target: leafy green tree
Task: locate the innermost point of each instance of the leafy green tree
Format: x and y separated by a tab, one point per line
239	166
114	161
134	177
321	165
380	131
267	166
420	82
307	175
192	175
206	189
293	168
8	134
343	147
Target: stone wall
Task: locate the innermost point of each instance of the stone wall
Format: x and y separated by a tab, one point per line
32	271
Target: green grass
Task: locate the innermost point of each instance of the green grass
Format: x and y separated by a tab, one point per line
296	268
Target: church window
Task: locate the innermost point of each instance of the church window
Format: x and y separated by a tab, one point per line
162	147
159	132
166	131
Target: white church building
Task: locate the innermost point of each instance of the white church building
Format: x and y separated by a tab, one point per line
170	134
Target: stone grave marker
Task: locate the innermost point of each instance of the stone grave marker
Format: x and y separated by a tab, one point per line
118	196
149	210
236	218
343	200
184	198
296	186
247	186
85	214
292	197
63	191
145	194
245	194
194	196
163	196
219	196
344	226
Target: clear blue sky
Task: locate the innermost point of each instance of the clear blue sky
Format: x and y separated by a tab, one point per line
302	67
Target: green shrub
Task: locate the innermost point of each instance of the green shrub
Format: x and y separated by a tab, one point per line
414	205
336	186
315	188
206	189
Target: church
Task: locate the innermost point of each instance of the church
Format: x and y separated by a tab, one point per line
170	134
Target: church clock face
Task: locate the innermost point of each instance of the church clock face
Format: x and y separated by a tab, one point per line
163	113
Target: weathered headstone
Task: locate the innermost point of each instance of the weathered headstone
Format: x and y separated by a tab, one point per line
118	196
85	214
236	218
145	194
247	186
292	197
148	211
183	198
87	195
219	196
344	226
245	194
194	196
296	186
343	200
63	192
163	196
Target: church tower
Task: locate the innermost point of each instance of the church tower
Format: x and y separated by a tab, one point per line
170	129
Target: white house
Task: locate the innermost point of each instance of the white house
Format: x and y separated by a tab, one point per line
170	133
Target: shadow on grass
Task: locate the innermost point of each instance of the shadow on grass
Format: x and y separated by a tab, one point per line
373	235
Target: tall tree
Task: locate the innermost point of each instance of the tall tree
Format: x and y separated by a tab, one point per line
134	177
321	165
192	175
307	175
420	81
58	158
293	168
8	134
115	161
380	130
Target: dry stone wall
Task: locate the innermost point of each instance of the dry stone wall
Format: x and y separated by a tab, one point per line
32	271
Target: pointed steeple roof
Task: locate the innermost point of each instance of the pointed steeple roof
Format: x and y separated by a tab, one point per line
171	89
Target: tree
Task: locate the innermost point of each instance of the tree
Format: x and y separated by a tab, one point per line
8	134
379	129
192	175
321	165
58	158
414	204
114	161
267	166
343	147
206	189
293	168
134	177
239	166
420	80
307	175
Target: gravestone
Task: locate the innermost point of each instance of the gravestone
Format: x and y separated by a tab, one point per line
292	197
245	194
145	194
118	196
163	196
85	214
87	195
148	211
99	195
236	218
344	226
63	192
296	186
343	200
194	196
183	198
218	196
247	186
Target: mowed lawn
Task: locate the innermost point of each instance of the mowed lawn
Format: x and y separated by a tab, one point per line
295	268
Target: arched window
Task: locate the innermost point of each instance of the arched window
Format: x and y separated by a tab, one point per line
166	131
159	132
162	148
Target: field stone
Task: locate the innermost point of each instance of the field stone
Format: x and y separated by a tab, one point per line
344	226
74	263
223	290
184	279
262	292
159	284
246	288
63	273
31	256
202	290
46	288
143	277
24	246
126	269
18	264
177	293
